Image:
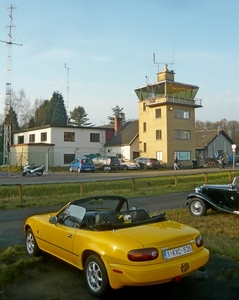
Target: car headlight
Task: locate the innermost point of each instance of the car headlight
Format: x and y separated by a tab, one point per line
197	189
143	254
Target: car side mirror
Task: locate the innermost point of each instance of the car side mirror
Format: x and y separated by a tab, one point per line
53	220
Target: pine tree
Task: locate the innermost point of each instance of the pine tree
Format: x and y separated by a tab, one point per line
117	113
78	117
57	110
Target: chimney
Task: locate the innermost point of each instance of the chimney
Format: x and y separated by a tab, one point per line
117	125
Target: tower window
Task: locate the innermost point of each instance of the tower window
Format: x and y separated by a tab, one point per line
158	134
144	126
181	113
182	134
158	113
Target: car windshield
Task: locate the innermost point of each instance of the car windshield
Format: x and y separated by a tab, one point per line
104	214
235	180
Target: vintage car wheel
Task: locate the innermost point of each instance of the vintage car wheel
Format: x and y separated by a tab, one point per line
197	207
31	244
96	276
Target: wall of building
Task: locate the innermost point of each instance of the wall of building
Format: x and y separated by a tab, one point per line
125	151
78	146
176	145
167	124
220	146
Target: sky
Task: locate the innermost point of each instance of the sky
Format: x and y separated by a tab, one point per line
96	52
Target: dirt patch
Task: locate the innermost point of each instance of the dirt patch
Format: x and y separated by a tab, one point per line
52	279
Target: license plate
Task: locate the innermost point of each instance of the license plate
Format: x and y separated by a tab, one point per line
87	169
177	252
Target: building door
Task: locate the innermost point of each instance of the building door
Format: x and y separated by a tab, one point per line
159	155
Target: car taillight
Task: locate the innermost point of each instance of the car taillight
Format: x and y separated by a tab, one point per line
143	254
199	241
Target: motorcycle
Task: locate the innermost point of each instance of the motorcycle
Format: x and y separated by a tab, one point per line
31	169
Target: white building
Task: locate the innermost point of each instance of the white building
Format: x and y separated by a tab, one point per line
58	145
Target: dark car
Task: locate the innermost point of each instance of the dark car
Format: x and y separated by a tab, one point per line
224	197
147	163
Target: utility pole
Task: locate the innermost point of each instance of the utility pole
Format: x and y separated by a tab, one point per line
67	95
8	100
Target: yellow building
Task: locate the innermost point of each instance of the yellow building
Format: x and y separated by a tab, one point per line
167	119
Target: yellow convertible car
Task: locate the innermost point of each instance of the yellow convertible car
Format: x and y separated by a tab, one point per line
116	246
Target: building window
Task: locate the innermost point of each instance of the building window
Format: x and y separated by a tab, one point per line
158	134
95	137
68	158
144	126
183	155
144	106
69	136
145	147
181	113
43	136
32	138
20	139
182	134
158	113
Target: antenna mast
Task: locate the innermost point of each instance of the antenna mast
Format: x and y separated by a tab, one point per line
161	63
67	100
8	100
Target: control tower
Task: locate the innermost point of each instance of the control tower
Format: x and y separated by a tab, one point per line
167	119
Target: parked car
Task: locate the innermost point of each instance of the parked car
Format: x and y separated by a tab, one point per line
106	163
147	163
116	246
82	165
224	197
126	164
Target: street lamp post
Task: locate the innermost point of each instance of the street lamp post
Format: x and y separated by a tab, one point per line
233	155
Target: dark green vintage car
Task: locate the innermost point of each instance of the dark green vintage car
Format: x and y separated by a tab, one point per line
224	197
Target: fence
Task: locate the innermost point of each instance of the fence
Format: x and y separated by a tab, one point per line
131	185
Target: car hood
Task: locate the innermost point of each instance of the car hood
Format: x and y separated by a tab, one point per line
159	234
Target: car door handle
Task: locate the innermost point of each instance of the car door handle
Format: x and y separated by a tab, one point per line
69	235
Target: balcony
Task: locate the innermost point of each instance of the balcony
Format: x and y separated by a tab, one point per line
171	99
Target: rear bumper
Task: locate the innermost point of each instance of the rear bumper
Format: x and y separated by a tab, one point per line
143	275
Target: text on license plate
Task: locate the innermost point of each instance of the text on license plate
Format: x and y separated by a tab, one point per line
177	252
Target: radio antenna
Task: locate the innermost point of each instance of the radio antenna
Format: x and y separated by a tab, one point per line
8	100
162	63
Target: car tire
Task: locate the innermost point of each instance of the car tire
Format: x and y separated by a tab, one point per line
145	167
106	168
95	275
197	207
78	170
31	244
125	168
70	169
